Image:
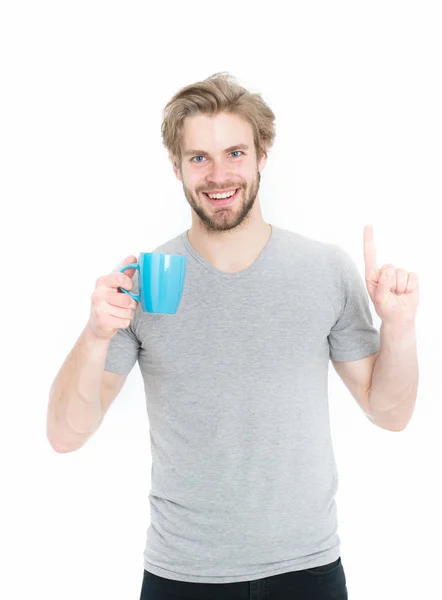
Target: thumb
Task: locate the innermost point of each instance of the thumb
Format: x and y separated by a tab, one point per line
127	261
384	287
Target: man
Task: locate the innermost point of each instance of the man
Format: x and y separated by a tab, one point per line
243	473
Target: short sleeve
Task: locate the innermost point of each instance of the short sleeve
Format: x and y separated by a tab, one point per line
353	336
124	346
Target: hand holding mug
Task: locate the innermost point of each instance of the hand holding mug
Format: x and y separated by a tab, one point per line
111	309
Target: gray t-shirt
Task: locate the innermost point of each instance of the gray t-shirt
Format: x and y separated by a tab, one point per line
243	473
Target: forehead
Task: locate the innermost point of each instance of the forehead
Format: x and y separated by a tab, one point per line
215	133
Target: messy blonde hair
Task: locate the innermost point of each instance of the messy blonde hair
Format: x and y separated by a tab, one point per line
218	93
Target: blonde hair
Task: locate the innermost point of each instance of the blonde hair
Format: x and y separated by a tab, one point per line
218	93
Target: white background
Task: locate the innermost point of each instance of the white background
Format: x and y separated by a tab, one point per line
85	181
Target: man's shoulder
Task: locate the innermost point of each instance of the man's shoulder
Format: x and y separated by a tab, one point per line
301	245
174	245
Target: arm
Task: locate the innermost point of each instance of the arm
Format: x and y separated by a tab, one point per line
393	391
81	394
385	384
83	391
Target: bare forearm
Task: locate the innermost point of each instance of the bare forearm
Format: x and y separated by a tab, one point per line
74	410
393	391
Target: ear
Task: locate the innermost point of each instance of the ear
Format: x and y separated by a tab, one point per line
176	167
263	161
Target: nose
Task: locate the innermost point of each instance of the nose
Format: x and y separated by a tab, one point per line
218	173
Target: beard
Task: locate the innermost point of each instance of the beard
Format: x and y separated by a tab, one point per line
224	219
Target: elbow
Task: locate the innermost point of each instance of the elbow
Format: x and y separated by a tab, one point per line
61	447
398	427
58	444
62	438
395	426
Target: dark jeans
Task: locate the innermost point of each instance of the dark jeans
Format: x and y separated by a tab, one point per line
326	582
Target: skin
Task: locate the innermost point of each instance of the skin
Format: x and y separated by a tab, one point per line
229	237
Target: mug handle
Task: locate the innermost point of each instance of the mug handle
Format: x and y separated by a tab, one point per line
136	297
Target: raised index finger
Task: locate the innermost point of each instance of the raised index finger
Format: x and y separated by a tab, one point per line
371	265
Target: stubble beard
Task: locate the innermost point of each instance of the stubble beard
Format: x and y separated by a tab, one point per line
224	219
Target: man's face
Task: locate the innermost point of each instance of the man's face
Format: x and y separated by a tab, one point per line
218	155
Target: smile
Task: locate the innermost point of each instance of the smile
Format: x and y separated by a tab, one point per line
222	199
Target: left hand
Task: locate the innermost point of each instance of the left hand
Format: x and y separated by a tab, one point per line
395	295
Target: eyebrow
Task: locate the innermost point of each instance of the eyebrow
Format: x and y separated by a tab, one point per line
203	152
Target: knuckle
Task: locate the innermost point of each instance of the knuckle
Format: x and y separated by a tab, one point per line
96	296
101	308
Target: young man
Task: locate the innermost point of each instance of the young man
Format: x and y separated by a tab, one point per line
244	475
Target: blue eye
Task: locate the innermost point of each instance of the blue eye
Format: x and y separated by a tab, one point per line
237	152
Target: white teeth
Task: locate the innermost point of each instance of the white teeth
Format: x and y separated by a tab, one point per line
220	196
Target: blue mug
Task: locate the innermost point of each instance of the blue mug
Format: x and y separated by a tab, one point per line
161	281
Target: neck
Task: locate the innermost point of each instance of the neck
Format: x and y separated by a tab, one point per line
232	250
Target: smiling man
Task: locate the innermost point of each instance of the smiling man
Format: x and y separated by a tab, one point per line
243	470
235	167
218	156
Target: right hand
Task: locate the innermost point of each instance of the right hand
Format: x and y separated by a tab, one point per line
112	309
